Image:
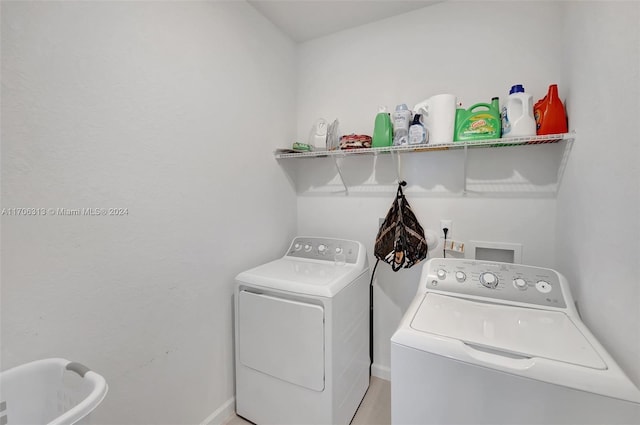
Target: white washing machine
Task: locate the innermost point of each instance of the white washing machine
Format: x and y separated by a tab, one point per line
302	334
497	343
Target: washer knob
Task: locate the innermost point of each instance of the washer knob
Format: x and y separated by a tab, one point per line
338	250
520	283
307	248
322	248
441	274
297	246
489	280
543	286
461	277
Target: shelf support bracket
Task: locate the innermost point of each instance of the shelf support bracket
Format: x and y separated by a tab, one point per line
398	163
563	162
464	173
335	161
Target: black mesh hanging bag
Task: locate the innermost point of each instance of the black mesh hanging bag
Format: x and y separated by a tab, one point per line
401	241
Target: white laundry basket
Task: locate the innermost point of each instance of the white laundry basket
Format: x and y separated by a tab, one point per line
50	391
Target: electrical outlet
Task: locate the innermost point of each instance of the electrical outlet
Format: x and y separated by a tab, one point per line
446	224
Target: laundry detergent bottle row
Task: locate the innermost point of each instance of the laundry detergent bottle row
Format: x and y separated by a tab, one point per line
517	114
550	115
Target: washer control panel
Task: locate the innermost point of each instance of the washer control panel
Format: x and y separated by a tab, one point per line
509	282
327	249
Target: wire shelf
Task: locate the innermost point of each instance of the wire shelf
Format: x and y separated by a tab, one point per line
488	143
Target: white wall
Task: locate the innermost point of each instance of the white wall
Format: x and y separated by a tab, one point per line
169	109
598	221
476	50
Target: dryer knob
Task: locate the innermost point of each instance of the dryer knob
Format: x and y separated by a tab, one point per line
489	280
307	248
338	250
442	274
297	246
322	248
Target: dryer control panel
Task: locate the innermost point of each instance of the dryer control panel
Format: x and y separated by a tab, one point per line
327	249
503	281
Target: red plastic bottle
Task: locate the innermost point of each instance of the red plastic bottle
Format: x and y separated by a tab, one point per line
549	113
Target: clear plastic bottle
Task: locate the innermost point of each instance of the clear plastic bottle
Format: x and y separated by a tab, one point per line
401	122
417	133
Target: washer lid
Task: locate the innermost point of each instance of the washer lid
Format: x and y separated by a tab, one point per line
309	277
521	331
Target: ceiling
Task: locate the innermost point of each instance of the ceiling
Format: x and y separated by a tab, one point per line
303	20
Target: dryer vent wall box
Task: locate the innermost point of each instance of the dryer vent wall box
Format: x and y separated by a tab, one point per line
478	328
502	252
302	334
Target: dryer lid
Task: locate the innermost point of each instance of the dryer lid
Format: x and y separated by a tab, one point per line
308	277
521	331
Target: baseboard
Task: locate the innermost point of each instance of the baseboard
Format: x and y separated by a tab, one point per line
379	371
222	413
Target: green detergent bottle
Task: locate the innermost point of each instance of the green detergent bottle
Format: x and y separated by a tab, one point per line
481	121
382	130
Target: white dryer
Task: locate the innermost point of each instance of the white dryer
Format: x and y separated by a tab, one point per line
302	334
497	343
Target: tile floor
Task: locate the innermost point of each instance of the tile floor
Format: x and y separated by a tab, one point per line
375	408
